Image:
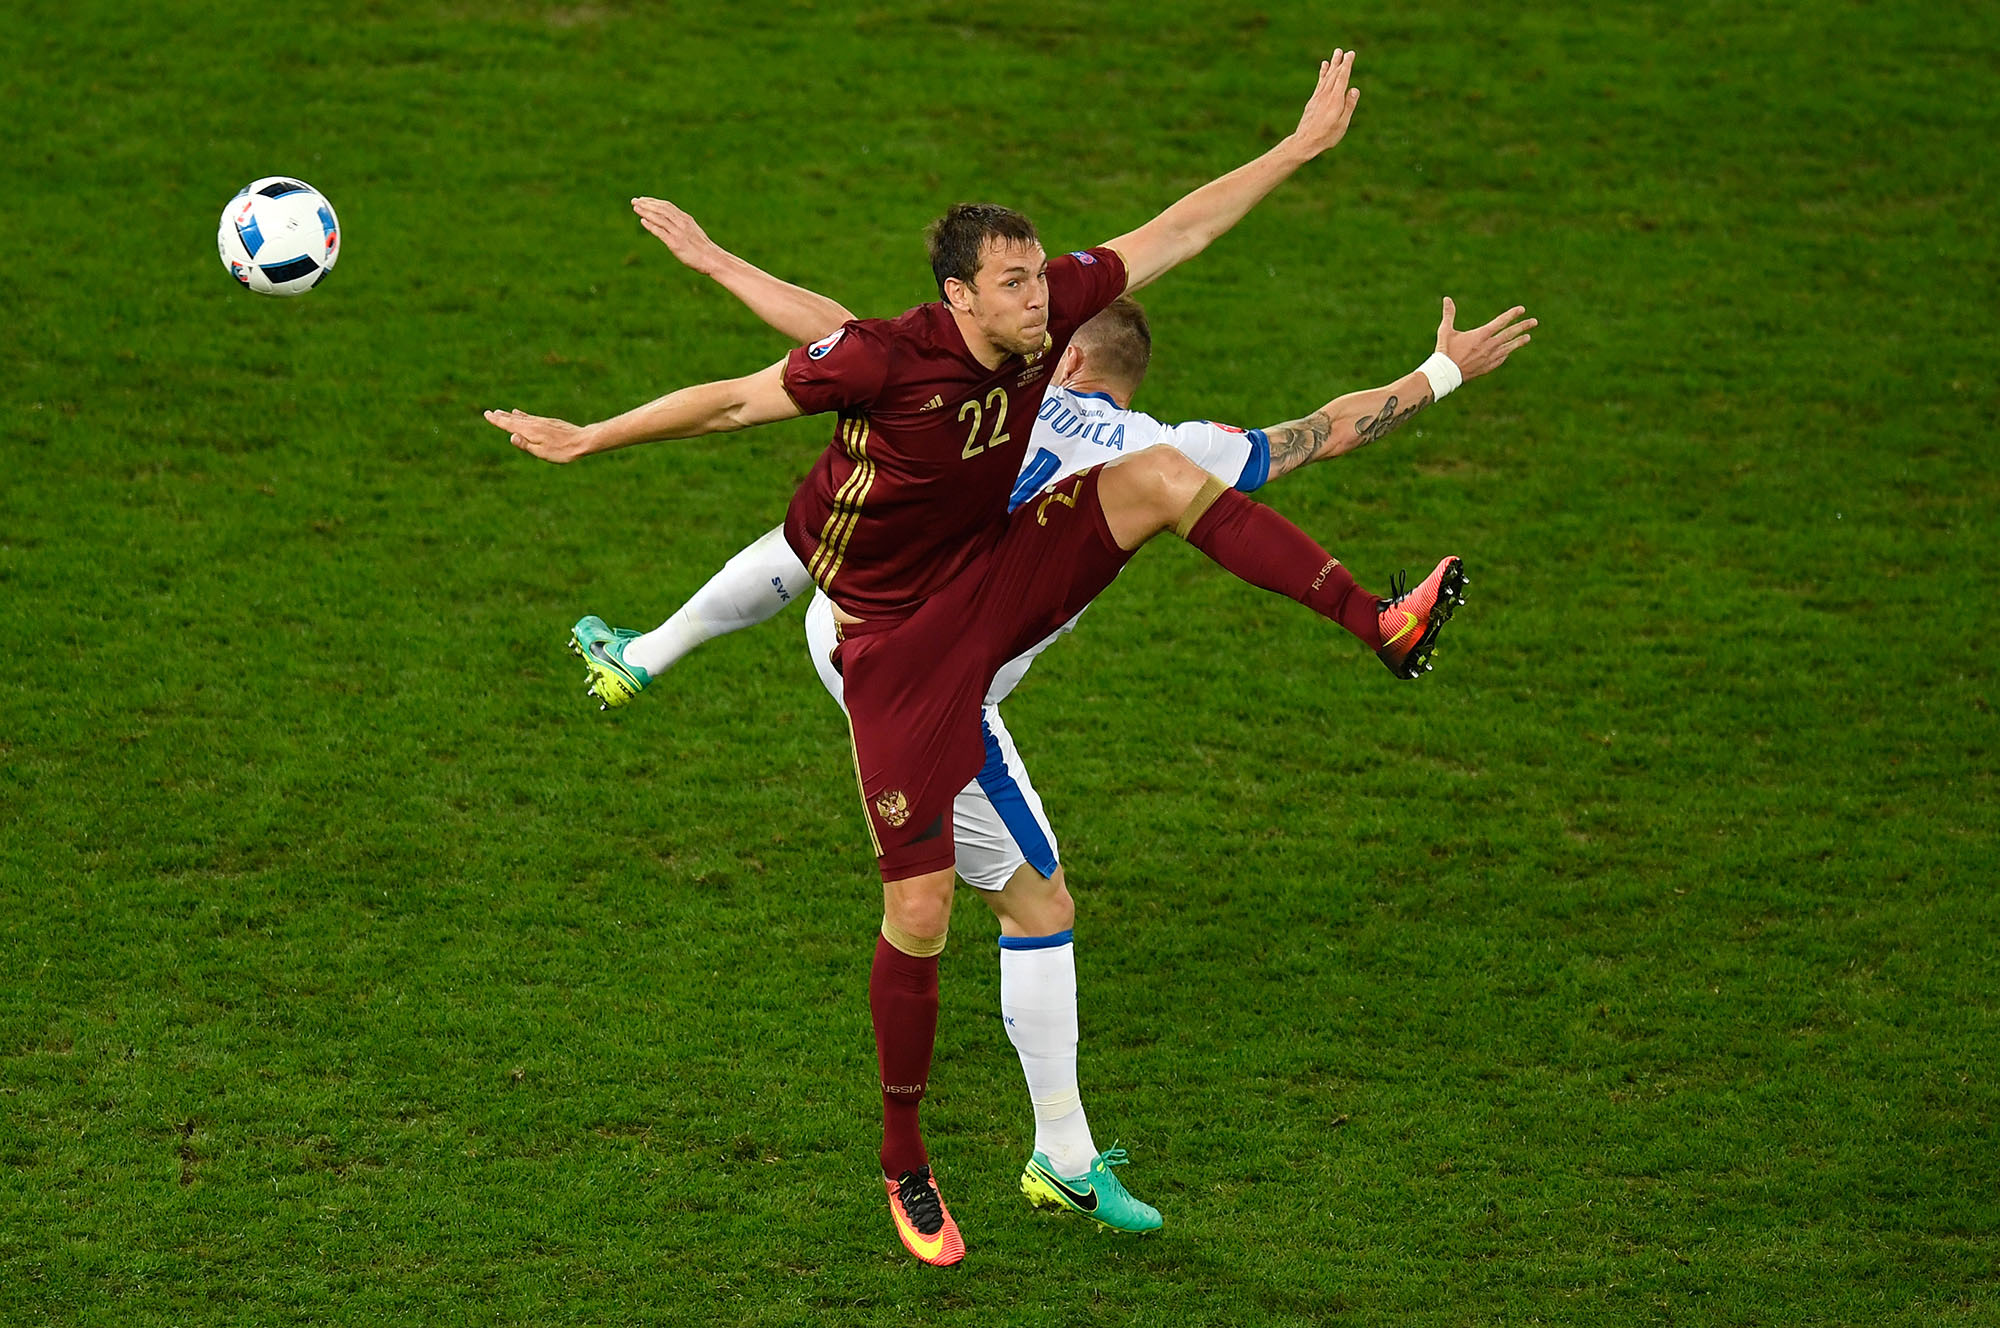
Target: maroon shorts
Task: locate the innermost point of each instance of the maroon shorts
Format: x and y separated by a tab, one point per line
914	686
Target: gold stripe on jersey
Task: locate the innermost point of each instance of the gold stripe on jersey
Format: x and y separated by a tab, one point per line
846	502
846	514
831	568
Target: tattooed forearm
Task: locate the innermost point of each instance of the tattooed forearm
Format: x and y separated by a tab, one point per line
1298	441
1367	431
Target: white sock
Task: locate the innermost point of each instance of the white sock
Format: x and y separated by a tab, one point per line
1038	1003
750	588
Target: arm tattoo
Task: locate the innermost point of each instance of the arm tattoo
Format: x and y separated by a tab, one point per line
1367	431
1297	441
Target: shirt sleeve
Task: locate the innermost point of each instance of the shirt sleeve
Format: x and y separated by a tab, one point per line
843	370
1081	285
1239	457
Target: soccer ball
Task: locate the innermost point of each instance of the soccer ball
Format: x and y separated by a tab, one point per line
278	236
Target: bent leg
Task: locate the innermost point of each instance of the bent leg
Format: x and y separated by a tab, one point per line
1160	489
1148	491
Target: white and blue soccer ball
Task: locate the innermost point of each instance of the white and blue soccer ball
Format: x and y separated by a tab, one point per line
278	236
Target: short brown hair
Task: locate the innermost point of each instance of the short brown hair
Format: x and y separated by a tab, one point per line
1118	342
956	238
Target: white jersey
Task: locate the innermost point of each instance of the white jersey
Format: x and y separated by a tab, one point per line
1075	431
1078	430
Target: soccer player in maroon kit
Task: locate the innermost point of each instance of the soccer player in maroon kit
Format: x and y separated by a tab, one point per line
903	523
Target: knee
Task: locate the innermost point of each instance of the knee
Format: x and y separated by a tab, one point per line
917	910
1061	911
1161	480
1032	906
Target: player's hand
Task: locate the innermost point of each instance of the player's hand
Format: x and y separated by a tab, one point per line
1483	349
1330	107
684	238
541	435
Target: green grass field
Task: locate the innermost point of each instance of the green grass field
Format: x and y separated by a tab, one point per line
1639	966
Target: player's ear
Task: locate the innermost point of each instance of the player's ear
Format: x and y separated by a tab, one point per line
1070	363
958	295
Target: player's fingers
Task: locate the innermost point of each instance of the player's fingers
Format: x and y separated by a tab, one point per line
657	212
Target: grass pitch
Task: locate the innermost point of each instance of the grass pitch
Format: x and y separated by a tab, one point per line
1636	967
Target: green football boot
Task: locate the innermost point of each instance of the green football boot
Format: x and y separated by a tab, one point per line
612	681
1097	1194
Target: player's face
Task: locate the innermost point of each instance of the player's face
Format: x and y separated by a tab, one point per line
1010	297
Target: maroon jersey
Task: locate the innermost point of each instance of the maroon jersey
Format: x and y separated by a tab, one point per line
929	444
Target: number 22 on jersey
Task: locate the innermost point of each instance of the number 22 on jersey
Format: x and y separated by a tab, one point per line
996	401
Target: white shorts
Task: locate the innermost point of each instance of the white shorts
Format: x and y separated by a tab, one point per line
997	820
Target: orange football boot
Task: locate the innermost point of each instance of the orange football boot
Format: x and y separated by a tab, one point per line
922	1220
1411	620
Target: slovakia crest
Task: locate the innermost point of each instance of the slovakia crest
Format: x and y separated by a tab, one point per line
1226	428
818	350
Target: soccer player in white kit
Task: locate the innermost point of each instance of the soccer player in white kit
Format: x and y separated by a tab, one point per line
1005	846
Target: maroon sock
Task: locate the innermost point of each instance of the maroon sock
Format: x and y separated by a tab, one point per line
903	997
1266	550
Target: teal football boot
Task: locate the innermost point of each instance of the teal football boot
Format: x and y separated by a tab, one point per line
1097	1194
612	681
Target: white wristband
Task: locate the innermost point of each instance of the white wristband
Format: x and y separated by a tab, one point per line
1444	374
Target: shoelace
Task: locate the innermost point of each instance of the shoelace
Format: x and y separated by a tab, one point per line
920	1201
1397	585
1115	1156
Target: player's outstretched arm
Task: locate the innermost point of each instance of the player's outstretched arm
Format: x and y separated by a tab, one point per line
1188	227
1359	418
692	412
794	311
